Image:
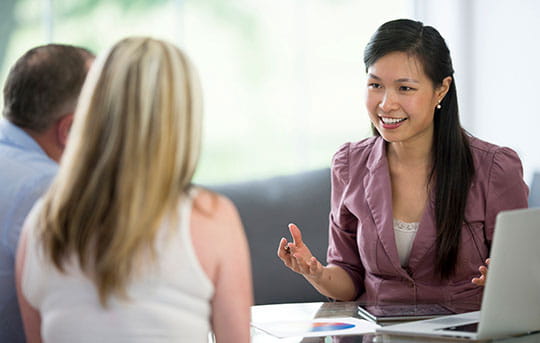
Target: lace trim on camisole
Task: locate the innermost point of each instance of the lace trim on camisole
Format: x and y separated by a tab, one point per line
405	227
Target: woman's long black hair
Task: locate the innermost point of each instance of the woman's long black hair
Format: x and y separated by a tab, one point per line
453	168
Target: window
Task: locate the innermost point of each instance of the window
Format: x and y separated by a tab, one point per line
283	80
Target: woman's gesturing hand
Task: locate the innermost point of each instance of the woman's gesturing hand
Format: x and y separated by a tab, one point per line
297	256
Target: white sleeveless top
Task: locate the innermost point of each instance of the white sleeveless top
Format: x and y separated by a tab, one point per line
169	302
404	234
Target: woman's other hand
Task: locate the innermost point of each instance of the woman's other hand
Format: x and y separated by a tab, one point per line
481	280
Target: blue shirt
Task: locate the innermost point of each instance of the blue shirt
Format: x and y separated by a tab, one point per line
25	173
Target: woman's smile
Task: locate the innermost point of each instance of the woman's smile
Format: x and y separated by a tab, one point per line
391	122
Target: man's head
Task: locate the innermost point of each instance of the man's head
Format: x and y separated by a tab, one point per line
41	92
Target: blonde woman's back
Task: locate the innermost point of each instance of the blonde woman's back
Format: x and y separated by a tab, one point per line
199	280
117	223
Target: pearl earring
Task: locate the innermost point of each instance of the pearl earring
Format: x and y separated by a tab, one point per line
439	106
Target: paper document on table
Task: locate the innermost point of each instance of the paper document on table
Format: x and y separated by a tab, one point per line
317	327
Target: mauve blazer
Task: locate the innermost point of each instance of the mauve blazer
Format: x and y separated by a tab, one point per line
361	237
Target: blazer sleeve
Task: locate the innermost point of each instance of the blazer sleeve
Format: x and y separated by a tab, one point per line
506	188
342	247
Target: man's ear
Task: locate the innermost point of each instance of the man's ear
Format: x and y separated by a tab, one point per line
63	125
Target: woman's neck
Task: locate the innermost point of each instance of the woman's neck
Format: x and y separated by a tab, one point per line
415	152
409	154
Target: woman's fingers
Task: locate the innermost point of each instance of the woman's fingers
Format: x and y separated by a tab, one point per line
296	235
483	270
282	248
284	252
481	280
307	267
296	254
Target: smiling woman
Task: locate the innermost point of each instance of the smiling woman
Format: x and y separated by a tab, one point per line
413	208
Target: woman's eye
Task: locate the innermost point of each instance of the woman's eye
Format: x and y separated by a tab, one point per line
405	88
374	85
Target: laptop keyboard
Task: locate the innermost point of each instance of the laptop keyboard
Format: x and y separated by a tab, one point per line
447	321
464	328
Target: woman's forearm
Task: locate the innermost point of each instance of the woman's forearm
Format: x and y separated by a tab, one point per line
334	283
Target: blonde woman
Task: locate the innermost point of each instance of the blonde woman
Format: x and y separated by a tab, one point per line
122	248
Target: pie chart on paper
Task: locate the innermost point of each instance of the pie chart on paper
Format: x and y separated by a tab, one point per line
331	326
317	327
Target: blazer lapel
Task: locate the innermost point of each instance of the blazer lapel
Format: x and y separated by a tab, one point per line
379	199
426	236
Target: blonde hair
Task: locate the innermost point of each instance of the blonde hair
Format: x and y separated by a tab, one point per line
132	152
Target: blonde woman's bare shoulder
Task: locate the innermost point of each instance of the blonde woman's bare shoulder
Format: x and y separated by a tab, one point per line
216	231
215	217
213	206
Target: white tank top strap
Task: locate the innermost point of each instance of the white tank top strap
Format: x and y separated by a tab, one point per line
186	208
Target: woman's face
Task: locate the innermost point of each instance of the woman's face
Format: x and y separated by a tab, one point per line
401	99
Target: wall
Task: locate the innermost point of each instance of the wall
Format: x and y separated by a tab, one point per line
496	57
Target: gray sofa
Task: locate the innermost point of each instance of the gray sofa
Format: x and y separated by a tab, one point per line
266	207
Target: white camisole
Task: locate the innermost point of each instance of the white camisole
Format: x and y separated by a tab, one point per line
168	302
405	234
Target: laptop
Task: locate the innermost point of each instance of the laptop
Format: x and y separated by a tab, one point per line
511	300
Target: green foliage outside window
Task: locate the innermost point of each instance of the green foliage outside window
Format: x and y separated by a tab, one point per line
283	80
